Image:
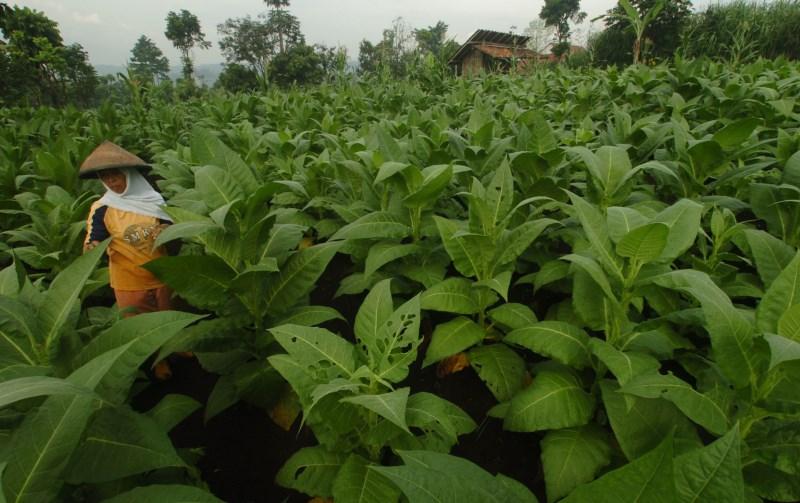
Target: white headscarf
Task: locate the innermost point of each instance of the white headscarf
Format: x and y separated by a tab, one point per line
139	197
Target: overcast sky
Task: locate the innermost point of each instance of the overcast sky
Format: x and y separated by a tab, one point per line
108	29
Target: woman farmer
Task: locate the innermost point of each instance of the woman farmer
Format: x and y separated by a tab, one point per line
131	214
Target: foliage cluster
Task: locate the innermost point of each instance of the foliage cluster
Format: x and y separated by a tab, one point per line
37	68
614	253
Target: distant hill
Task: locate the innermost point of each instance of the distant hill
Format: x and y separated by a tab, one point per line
207	73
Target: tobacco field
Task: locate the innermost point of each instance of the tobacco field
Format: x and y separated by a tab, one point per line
591	274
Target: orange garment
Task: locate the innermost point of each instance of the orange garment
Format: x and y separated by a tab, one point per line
133	302
132	238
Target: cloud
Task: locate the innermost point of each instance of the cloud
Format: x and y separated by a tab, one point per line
93	18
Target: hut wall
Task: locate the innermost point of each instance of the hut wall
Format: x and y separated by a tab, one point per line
472	64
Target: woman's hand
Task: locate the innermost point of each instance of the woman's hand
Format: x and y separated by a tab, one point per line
90	245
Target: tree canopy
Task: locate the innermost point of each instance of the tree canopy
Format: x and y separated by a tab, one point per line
559	13
37	67
183	30
147	61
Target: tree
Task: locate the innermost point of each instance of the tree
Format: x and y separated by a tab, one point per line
148	62
663	31
332	59
638	23
79	77
247	40
393	54
540	36
558	14
433	40
37	68
237	78
183	30
283	25
298	65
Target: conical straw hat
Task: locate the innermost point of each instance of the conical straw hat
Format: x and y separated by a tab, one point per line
109	155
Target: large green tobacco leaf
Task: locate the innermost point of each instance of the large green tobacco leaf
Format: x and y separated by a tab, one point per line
782	349
391	406
649	478
18	333
698	407
596	230
622	220
172	410
282	239
311	470
514	242
217	187
317	348
561	341
42	445
768	204
713	473
554	400
389	169
356	483
165	494
500	367
208	149
59	303
500	194
777	444
771	483
374	312
429	477
185	230
298	276
644	244
608	166
789	324
382	253
571	457
625	365
640	424
770	254
453	295
203	280
398	340
22	388
470	253
781	295
735	133
142	335
310	316
513	316
134	442
435	181
377	225
430	412
683	219
732	335
452	337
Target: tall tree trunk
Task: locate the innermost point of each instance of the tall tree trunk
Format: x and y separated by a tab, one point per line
637	45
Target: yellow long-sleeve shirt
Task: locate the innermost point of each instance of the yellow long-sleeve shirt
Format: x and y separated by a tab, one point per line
132	237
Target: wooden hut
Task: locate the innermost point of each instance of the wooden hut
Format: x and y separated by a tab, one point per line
490	51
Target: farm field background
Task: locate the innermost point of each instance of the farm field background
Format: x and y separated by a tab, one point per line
585	280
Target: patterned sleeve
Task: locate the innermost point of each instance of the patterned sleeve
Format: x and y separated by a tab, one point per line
96	227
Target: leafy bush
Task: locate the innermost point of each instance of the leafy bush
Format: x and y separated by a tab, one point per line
613	253
743	30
